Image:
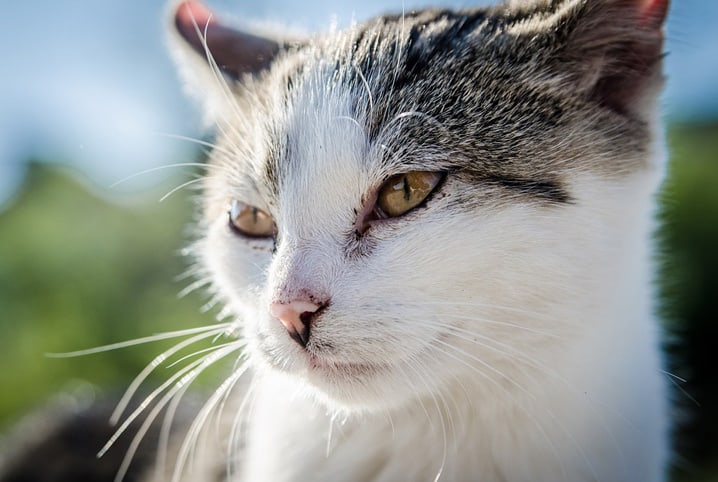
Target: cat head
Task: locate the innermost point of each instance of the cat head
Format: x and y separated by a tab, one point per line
426	199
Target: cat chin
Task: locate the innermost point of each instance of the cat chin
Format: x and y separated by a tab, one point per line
343	388
348	397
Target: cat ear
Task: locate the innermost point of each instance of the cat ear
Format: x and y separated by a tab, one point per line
214	58
234	52
613	50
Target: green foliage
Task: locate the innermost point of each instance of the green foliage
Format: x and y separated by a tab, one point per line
77	271
689	290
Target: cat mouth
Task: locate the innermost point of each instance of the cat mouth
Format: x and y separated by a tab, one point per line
316	365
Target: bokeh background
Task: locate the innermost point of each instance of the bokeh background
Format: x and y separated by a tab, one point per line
88	97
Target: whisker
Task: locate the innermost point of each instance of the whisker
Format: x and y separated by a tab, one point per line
157	361
674	379
673	375
350	119
199	352
508	351
516	402
234	438
214	147
201	417
238	365
421	403
158	168
188	374
513	309
488	366
414	113
441	420
215	403
181	186
145	403
502	323
217	73
164	436
137	341
367	88
140	435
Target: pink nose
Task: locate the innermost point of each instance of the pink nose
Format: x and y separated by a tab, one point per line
295	316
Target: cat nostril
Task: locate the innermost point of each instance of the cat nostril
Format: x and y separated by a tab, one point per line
296	316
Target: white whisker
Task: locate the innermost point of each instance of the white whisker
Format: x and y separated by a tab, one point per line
352	120
188	374
181	186
164	436
146	402
367	88
200	352
201	417
439	412
516	402
501	323
158	168
158	360
674	379
214	147
137	341
234	438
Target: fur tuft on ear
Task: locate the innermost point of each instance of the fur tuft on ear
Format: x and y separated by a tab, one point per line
615	48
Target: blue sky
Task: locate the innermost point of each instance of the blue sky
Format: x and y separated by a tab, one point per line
88	83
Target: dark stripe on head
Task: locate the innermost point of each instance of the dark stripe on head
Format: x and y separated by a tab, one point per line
543	190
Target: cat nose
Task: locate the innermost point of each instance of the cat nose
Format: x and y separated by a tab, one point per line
296	316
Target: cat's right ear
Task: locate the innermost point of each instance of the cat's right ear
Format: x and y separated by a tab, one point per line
214	57
613	50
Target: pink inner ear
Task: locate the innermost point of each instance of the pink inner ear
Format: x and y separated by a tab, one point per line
233	51
653	13
190	13
192	18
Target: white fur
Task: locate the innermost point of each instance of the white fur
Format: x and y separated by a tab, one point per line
517	342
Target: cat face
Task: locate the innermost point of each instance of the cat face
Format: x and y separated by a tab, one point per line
426	200
402	301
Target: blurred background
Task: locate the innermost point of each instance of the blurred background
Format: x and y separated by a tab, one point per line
88	97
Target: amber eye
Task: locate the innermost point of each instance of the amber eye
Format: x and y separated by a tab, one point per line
403	192
251	221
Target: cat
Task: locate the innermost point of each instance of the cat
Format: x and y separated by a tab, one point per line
433	232
432	235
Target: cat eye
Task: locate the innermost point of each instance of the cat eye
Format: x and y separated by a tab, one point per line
251	221
403	192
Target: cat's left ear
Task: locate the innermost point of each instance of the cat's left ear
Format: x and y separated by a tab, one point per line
214	57
232	51
613	50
